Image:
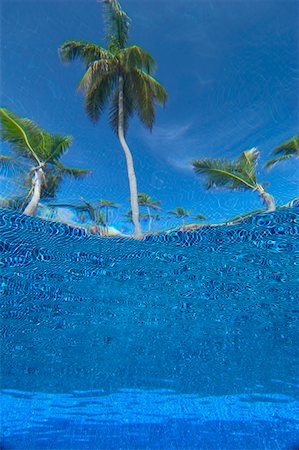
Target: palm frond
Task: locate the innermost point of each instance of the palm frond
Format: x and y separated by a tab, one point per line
145	200
31	141
86	51
200	217
288	149
17	202
65	205
51	184
180	212
97	72
291	147
222	173
108	203
247	162
22	134
135	57
117	25
97	96
147	91
271	162
7	163
54	146
71	171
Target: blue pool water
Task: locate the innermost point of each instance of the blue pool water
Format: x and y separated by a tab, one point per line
180	341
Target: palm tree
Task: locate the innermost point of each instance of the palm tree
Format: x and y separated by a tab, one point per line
287	150
180	213
200	217
121	76
235	175
129	216
36	146
146	201
107	204
94	212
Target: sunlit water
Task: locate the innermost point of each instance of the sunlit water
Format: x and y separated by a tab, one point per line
188	340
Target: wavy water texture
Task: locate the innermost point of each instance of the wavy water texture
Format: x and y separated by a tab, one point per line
208	317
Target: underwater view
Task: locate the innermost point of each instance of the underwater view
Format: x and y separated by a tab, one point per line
149	223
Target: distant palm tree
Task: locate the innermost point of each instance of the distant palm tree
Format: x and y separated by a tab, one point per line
93	212
200	217
107	204
129	216
122	76
36	146
146	201
234	175
287	150
180	213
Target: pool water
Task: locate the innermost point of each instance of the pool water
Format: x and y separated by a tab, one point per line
179	341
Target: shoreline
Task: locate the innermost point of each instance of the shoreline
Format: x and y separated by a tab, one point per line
112	232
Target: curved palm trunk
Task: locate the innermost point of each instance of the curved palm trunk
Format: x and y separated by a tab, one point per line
150	219
129	160
268	199
37	182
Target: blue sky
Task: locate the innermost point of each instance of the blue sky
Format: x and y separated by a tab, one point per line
232	75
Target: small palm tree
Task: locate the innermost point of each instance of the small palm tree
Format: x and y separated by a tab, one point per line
180	213
129	216
107	204
93	212
200	217
36	146
234	175
122	76
146	201
287	150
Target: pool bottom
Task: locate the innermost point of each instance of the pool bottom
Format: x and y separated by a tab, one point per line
137	419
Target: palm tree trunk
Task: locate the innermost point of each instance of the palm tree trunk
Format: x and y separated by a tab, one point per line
129	160
37	182
268	199
150	219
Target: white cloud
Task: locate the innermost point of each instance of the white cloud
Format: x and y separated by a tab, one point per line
172	143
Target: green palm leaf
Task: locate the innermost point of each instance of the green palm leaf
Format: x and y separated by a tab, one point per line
223	173
287	150
135	57
270	163
180	212
145	200
291	146
24	135
86	51
200	217
74	172
117	25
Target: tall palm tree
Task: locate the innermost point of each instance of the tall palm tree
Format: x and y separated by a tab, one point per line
180	213
121	76
146	201
36	146
107	204
287	150
235	175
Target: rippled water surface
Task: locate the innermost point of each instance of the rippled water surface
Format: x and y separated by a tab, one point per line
185	340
